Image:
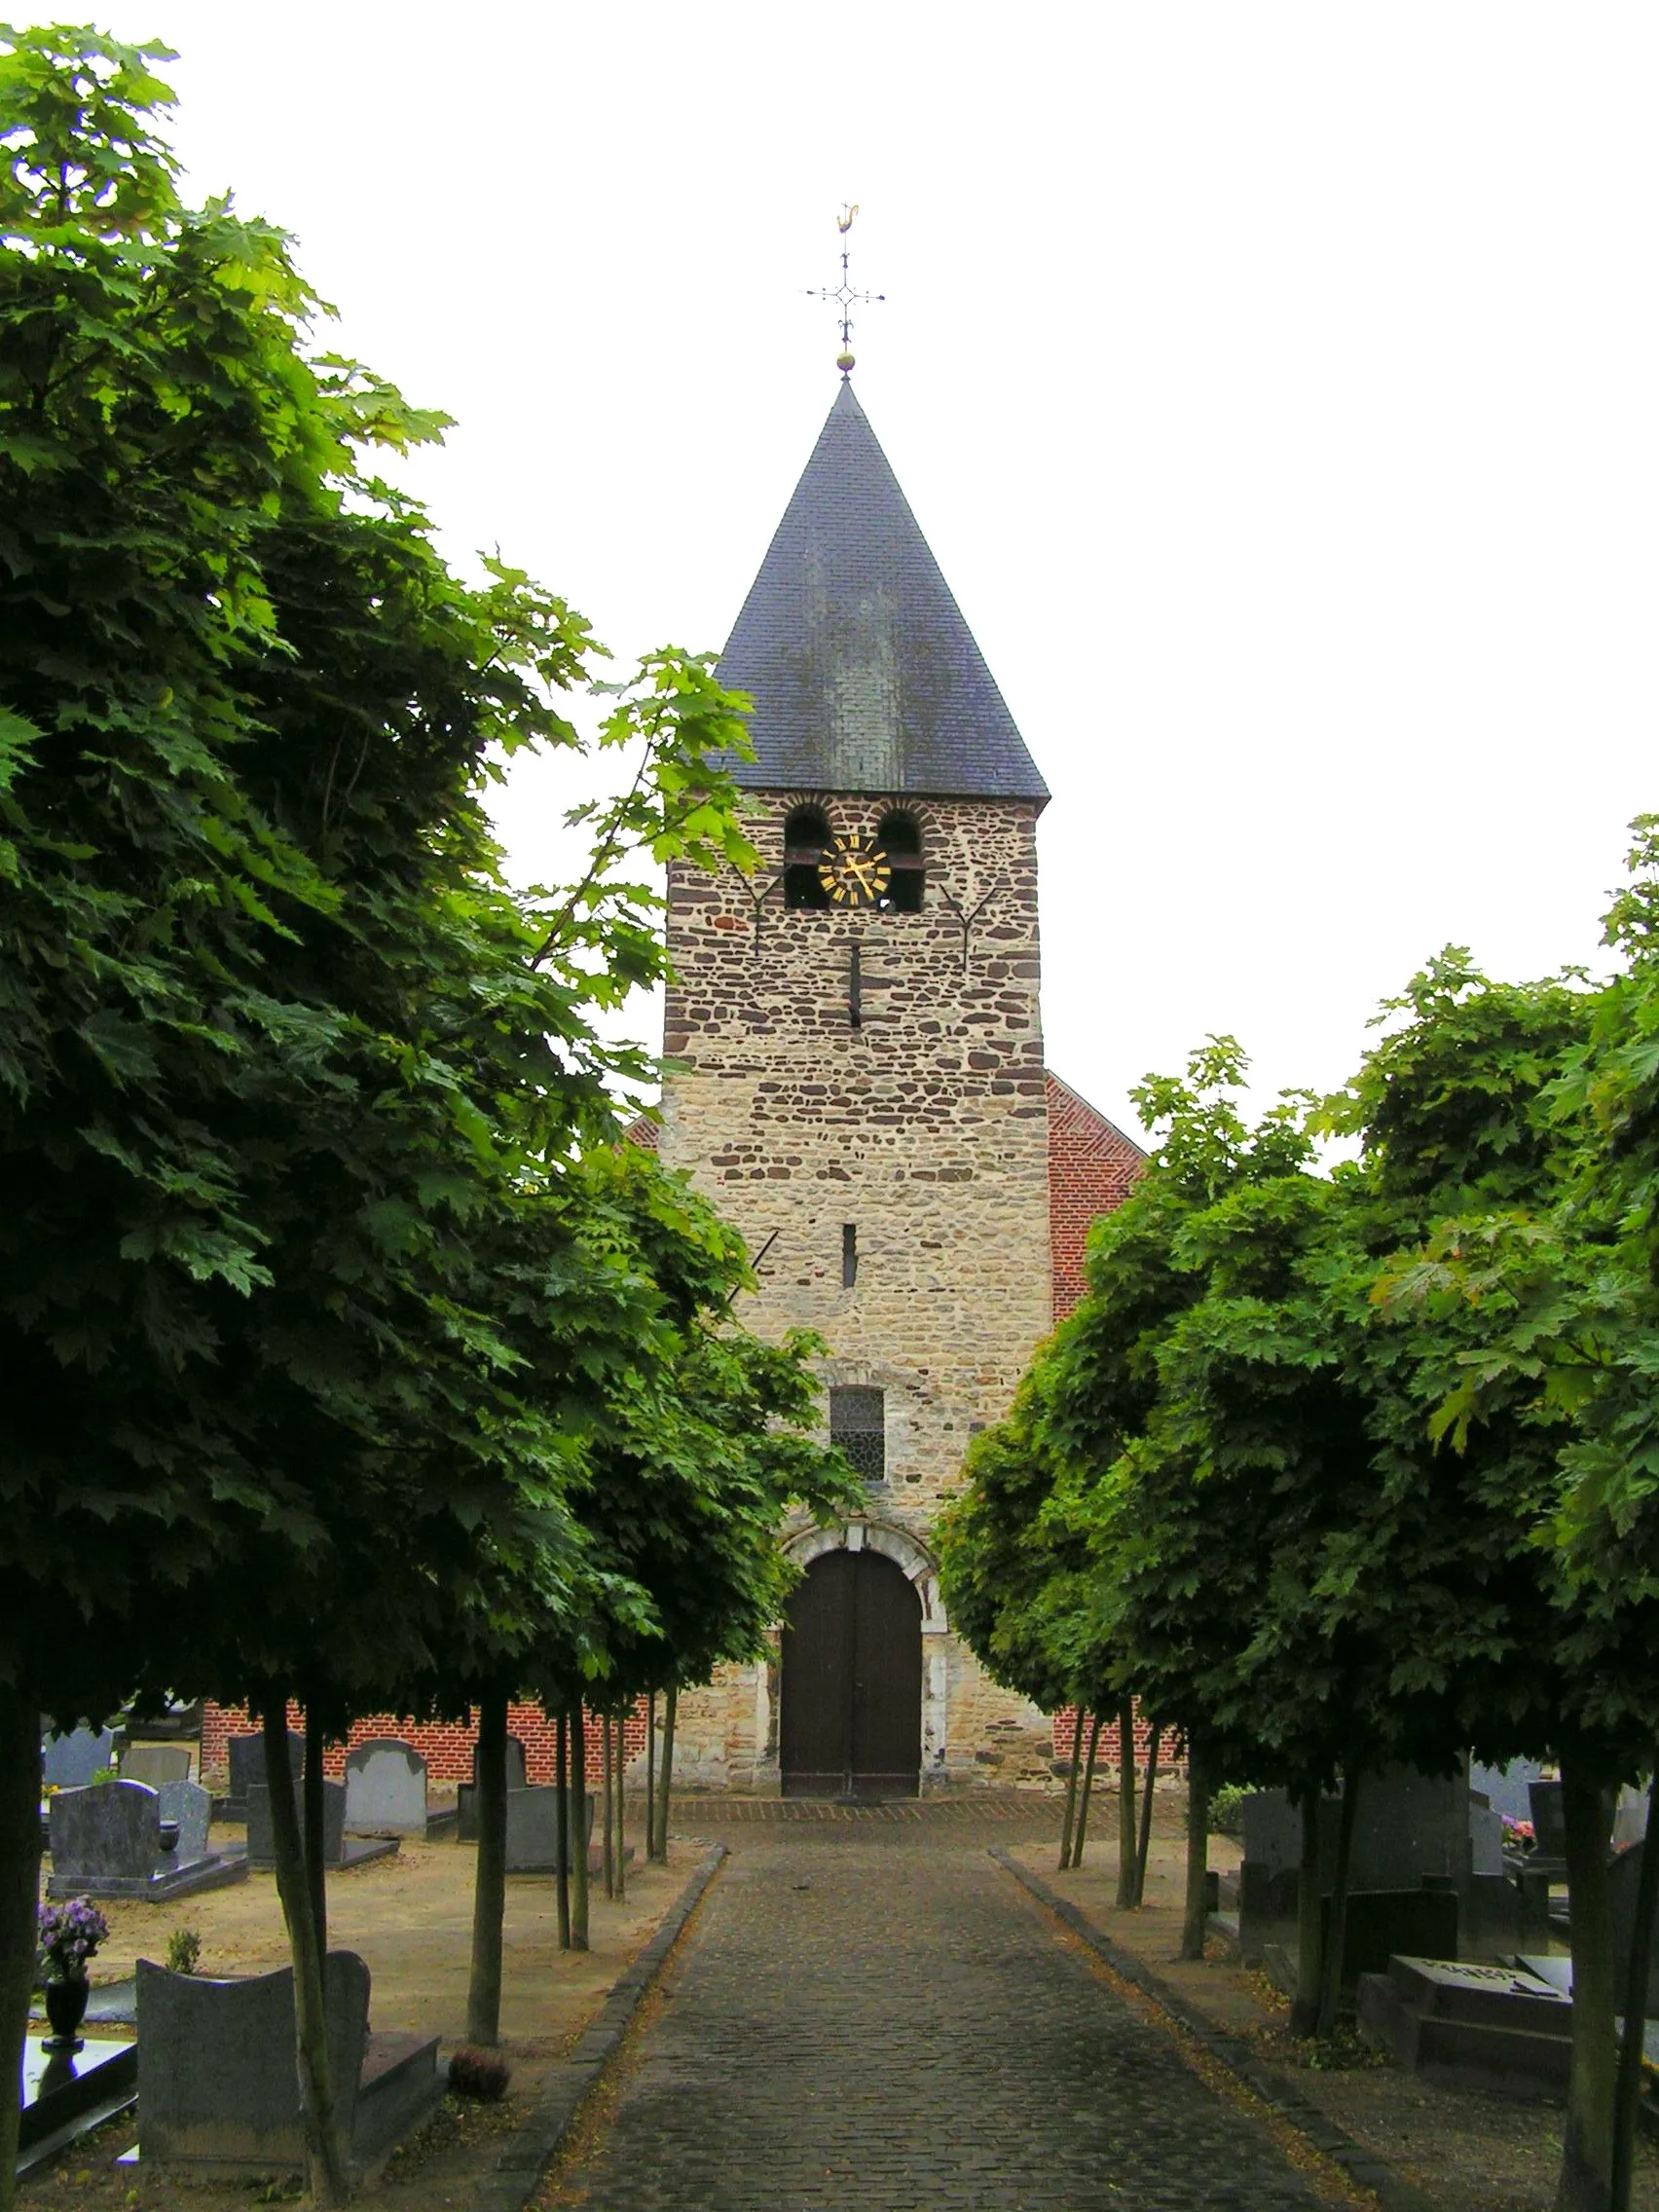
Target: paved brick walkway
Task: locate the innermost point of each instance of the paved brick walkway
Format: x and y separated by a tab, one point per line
874	2017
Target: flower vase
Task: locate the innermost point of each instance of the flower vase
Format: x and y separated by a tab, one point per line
65	2009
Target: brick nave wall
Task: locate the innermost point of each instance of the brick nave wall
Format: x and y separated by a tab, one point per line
446	1746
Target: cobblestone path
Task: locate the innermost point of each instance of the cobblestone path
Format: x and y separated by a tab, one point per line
876	2017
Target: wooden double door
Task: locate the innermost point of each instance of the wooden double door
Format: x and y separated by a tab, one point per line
851	1723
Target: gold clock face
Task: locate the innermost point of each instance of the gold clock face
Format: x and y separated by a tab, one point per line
854	871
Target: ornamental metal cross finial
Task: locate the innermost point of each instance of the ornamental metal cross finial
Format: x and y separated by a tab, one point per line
843	294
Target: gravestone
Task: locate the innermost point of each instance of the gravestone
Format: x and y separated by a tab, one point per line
189	1807
246	1756
1411	1830
386	1788
106	1842
339	1851
467	1792
70	1762
1464	2026
218	2088
156	1763
533	1830
1485	1840
1410	1826
1549	1821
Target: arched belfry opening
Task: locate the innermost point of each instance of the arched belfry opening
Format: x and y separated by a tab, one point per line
899	837
851	1686
806	832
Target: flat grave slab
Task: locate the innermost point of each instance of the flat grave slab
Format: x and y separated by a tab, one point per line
1471	2026
66	2093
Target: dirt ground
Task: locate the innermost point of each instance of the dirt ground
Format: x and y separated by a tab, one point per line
1467	2152
411	1918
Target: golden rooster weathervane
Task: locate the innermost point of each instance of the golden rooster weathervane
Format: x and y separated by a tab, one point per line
843	293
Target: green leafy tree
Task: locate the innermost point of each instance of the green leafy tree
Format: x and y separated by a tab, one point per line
280	1055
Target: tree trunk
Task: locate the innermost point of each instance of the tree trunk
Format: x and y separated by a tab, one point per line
1587	2146
325	2156
1196	1917
1304	2009
1087	1793
622	1807
665	1781
650	1775
607	1766
1070	1792
19	1889
1126	1824
489	1876
562	1855
1336	1935
576	1828
316	1872
1628	2091
1143	1848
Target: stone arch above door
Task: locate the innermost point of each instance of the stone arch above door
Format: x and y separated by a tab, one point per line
894	1543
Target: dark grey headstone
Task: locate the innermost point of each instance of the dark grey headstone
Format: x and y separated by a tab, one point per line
216	2080
467	1792
1549	1821
1410	1827
192	1807
246	1756
386	1788
1272	1831
261	1850
69	1762
107	1831
1382	1923
156	1764
532	1830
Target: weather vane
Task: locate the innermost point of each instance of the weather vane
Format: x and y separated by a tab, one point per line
843	294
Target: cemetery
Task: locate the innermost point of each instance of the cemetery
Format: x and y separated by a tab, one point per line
190	2074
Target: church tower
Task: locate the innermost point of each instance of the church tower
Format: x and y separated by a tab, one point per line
861	1089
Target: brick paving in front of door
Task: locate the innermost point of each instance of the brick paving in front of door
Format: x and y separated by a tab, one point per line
873	2016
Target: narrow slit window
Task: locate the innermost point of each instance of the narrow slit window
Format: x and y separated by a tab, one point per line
858	1423
899	837
849	1254
806	832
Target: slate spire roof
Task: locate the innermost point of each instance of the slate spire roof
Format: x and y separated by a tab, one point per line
863	674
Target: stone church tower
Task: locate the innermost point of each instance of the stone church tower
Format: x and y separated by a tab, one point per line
860	1089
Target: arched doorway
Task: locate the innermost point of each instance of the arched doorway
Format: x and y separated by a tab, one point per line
851	1690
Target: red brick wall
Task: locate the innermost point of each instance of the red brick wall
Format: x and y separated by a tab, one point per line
1170	1757
1092	1169
446	1746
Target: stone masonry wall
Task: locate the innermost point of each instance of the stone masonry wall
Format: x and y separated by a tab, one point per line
924	1126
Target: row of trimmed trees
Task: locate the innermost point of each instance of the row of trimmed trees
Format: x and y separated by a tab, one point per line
1337	1467
349	1358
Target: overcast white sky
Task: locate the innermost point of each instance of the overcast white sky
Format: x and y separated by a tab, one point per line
1276	384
